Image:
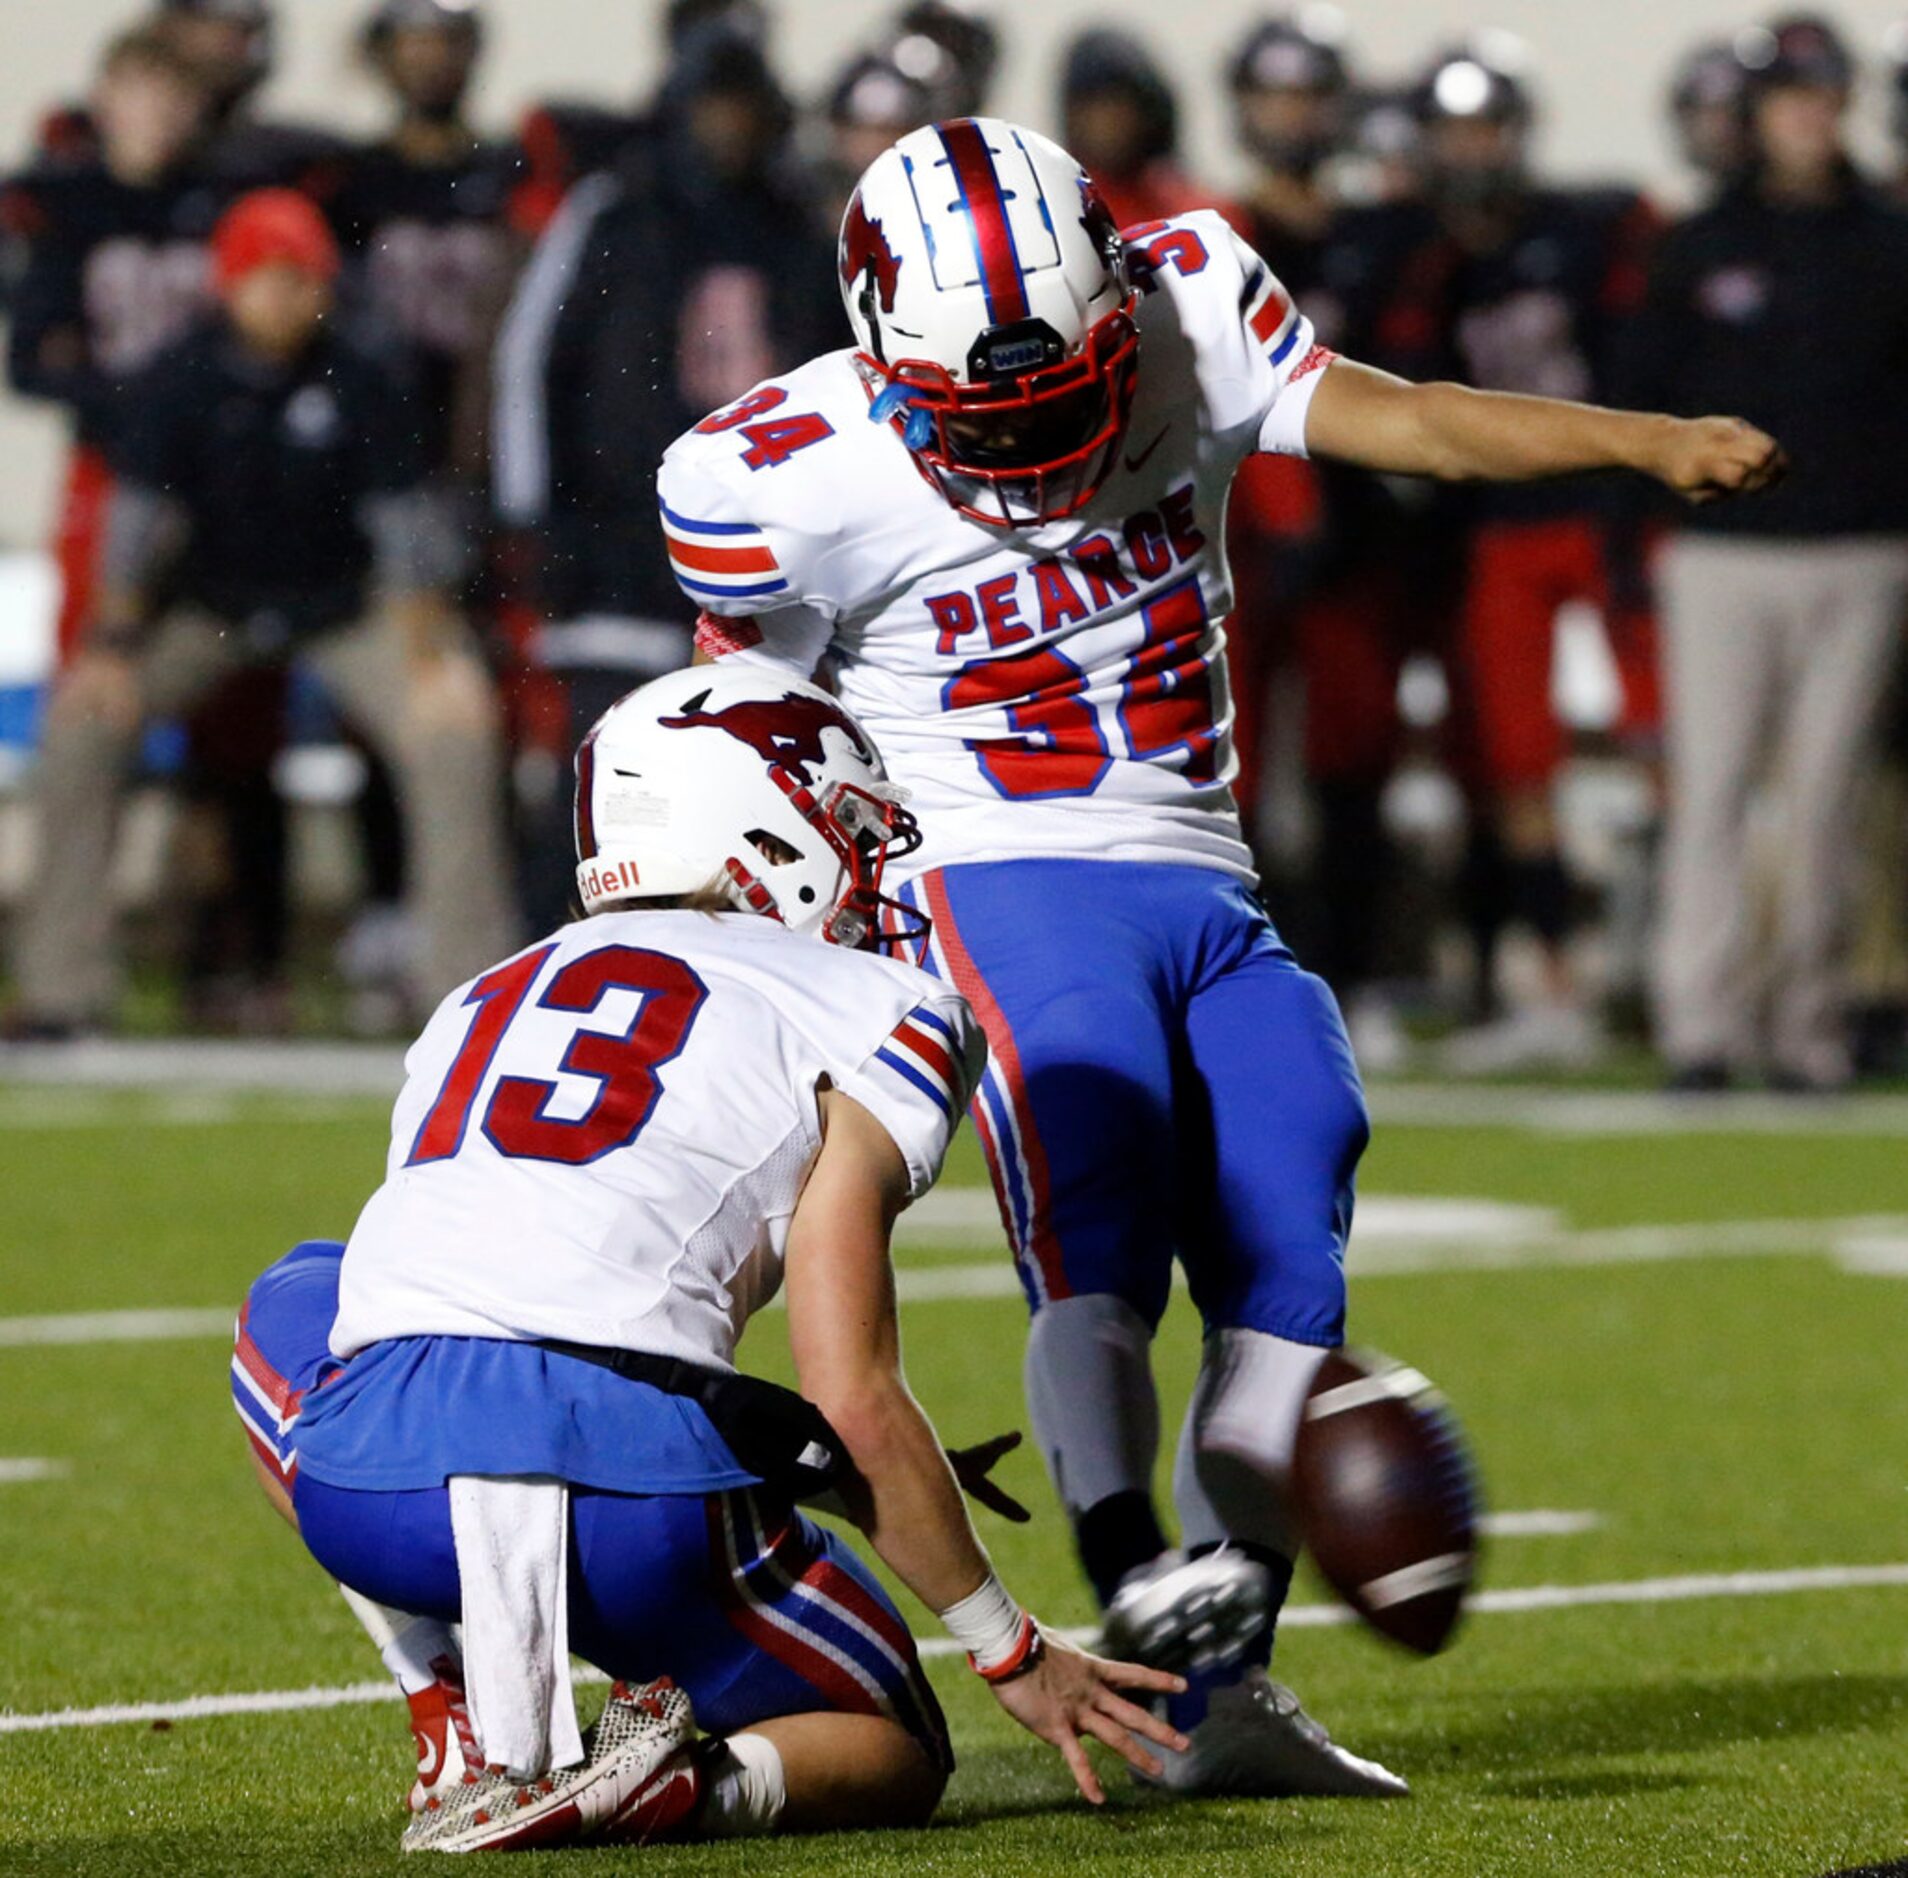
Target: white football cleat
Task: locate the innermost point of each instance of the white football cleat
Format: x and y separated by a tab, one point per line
488	1812
1256	1742
1186	1614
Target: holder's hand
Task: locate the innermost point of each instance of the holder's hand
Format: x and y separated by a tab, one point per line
1068	1694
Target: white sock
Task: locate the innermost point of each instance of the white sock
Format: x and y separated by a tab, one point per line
1235	1448
409	1645
743	1789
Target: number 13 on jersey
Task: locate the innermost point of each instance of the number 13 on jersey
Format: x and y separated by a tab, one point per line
517	1121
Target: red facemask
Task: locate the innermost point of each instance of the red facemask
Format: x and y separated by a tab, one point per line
861	831
1018	451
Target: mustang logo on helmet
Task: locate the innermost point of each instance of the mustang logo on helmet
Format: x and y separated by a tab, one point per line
786	731
865	251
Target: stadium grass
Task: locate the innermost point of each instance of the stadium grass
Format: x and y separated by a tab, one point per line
1723	1414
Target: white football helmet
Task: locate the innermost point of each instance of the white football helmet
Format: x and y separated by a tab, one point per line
741	778
991	301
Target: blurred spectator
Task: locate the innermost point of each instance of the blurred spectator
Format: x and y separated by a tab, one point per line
965	35
110	259
875	102
1706	106
272	502
565	140
1788	303
1288	87
1119	117
228	45
1522	288
683	20
1328	565
424	212
1380	162
231	43
666	286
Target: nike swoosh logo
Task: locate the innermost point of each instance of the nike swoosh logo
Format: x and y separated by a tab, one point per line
1138	462
429	1757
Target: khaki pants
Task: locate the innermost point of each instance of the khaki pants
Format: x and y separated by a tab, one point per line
1776	657
435	725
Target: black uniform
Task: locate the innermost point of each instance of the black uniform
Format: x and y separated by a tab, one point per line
271	465
107	274
1796	319
1544	313
1361	583
429	247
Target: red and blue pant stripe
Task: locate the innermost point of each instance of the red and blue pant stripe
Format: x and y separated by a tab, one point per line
1166	1083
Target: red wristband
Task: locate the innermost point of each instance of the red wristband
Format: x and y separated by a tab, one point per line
1021	1658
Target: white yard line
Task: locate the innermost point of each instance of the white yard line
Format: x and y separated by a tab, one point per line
1546	1109
1539	1523
1872	1245
1852	1240
26	1107
31	1467
1524	1598
117	1326
324	1069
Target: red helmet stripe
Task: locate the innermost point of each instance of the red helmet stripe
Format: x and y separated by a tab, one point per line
986	205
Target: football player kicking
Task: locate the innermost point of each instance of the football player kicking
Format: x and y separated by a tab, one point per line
510	1400
998	518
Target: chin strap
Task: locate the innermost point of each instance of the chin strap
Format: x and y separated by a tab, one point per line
917	427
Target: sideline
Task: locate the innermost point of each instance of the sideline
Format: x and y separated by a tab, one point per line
182	1073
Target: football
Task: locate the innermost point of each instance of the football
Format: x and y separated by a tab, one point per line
1383	1488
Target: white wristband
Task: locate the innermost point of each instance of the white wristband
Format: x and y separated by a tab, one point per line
989	1626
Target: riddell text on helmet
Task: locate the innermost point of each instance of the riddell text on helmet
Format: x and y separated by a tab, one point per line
601	881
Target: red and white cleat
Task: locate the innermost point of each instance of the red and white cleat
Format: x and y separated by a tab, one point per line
489	1812
665	1803
440	1726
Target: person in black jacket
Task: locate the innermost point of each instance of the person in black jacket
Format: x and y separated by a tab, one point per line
666	286
271	501
1786	301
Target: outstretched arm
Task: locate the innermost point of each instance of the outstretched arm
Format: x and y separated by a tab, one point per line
847	1349
1366	417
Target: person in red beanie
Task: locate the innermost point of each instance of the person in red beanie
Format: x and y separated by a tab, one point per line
272	503
274	265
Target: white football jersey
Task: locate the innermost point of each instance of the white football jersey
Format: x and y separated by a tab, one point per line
602	1139
1051	690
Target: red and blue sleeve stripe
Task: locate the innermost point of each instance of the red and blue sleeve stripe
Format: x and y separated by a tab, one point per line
731	560
922	1051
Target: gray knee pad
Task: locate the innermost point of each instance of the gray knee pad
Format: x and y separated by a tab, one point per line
1090	1397
1232	1474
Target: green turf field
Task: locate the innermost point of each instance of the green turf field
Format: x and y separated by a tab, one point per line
1716	1394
